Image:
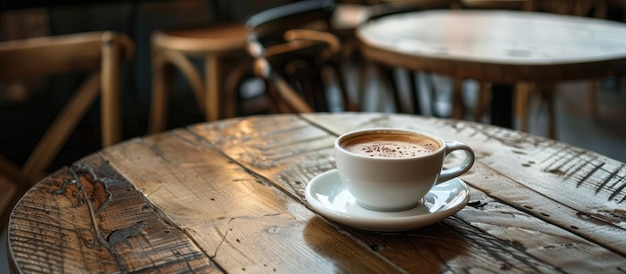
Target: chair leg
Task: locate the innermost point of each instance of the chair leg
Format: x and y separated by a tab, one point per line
592	101
387	76
414	92
290	97
162	73
457	99
110	91
521	104
275	105
316	87
163	70
482	101
432	94
18	183
212	97
361	83
9	199
348	104
234	78
549	94
305	85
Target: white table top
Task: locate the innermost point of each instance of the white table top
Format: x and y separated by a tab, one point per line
504	38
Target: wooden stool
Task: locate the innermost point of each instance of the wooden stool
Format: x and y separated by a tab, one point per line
216	44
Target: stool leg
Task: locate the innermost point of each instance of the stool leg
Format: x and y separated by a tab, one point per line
190	73
212	99
161	79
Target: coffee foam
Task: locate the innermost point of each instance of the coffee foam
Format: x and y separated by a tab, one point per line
390	145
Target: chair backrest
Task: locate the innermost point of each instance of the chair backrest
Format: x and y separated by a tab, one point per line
268	27
60	54
290	51
100	53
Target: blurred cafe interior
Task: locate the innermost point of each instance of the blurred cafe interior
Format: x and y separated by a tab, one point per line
83	75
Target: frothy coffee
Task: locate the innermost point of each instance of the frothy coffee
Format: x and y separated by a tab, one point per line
390	145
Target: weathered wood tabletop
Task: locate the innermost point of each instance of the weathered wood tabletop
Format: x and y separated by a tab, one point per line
228	197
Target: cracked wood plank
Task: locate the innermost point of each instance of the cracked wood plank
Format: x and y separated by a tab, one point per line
88	218
238	219
231	193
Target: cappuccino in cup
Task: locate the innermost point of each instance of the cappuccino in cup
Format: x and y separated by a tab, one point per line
393	169
390	145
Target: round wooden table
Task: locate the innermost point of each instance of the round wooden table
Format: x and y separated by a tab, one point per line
497	47
227	196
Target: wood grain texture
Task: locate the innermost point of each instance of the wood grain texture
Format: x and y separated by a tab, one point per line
238	219
230	193
87	218
302	152
540	176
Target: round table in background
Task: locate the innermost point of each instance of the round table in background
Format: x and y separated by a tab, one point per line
501	47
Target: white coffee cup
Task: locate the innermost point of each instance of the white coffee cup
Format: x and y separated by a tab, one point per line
389	169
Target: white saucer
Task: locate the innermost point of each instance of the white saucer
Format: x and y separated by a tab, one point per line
330	198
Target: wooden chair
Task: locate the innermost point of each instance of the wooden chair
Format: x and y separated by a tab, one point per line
222	48
100	53
291	49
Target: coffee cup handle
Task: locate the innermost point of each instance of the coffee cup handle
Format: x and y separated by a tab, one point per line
451	173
